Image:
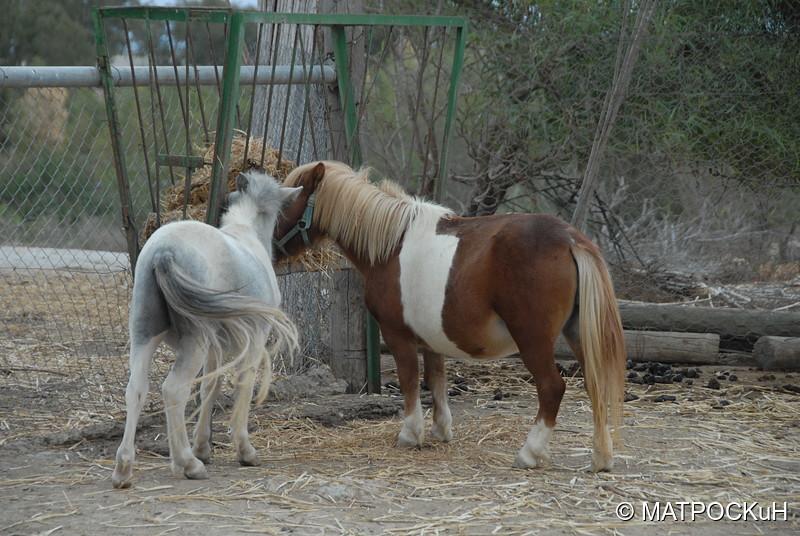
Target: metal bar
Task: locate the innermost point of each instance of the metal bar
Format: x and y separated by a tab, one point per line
222	14
179	160
204	75
227	110
115	132
452	99
253	93
168	13
346	94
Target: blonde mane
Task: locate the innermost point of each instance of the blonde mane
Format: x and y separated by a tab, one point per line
368	219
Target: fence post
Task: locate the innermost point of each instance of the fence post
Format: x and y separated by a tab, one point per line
227	111
123	184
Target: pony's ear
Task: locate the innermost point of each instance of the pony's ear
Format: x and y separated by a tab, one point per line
289	194
317	173
242	182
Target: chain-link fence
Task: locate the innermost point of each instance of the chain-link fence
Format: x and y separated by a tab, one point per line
709	219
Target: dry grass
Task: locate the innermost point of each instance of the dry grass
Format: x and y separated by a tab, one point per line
351	479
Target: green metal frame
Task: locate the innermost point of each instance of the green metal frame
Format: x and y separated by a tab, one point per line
230	87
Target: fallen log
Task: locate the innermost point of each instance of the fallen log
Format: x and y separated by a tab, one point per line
738	328
777	353
663	347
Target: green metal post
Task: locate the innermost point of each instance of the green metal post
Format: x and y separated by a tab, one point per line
346	93
455	76
347	97
225	121
123	184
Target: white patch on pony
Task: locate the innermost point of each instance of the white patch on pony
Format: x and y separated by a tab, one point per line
425	261
535	451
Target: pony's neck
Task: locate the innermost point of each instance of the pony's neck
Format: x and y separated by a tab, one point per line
369	225
244	218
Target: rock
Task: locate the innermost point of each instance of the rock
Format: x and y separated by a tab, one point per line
664	398
713	383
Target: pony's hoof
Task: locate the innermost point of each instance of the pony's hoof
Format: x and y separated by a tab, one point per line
122	477
203	452
528	460
601	464
248	458
441	434
195	470
524	462
407	441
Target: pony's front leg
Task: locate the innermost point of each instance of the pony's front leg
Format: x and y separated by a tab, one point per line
404	350
135	396
435	379
176	390
209	391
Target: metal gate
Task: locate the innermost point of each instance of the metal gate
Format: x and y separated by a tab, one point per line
219	91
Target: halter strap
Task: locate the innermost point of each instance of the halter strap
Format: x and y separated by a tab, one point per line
302	226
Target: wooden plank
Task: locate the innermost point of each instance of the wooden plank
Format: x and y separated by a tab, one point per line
348	339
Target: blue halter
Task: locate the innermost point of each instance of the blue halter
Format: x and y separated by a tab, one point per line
301	227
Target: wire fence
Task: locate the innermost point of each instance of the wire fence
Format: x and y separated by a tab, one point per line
711	230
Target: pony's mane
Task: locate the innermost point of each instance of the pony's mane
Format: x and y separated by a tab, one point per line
261	198
368	219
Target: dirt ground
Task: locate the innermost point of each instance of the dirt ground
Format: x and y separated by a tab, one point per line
695	460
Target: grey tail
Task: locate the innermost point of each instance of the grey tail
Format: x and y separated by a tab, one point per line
228	319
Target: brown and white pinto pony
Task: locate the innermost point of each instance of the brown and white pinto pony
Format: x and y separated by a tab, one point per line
477	288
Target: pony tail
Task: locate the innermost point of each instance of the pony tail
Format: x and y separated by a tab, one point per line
601	336
246	322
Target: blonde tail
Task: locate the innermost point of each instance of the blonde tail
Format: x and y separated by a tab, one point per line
603	345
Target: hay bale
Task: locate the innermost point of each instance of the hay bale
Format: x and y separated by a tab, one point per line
174	197
201	181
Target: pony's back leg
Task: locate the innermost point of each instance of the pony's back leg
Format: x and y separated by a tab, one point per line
534	327
135	396
209	391
436	380
176	388
245	452
537	355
